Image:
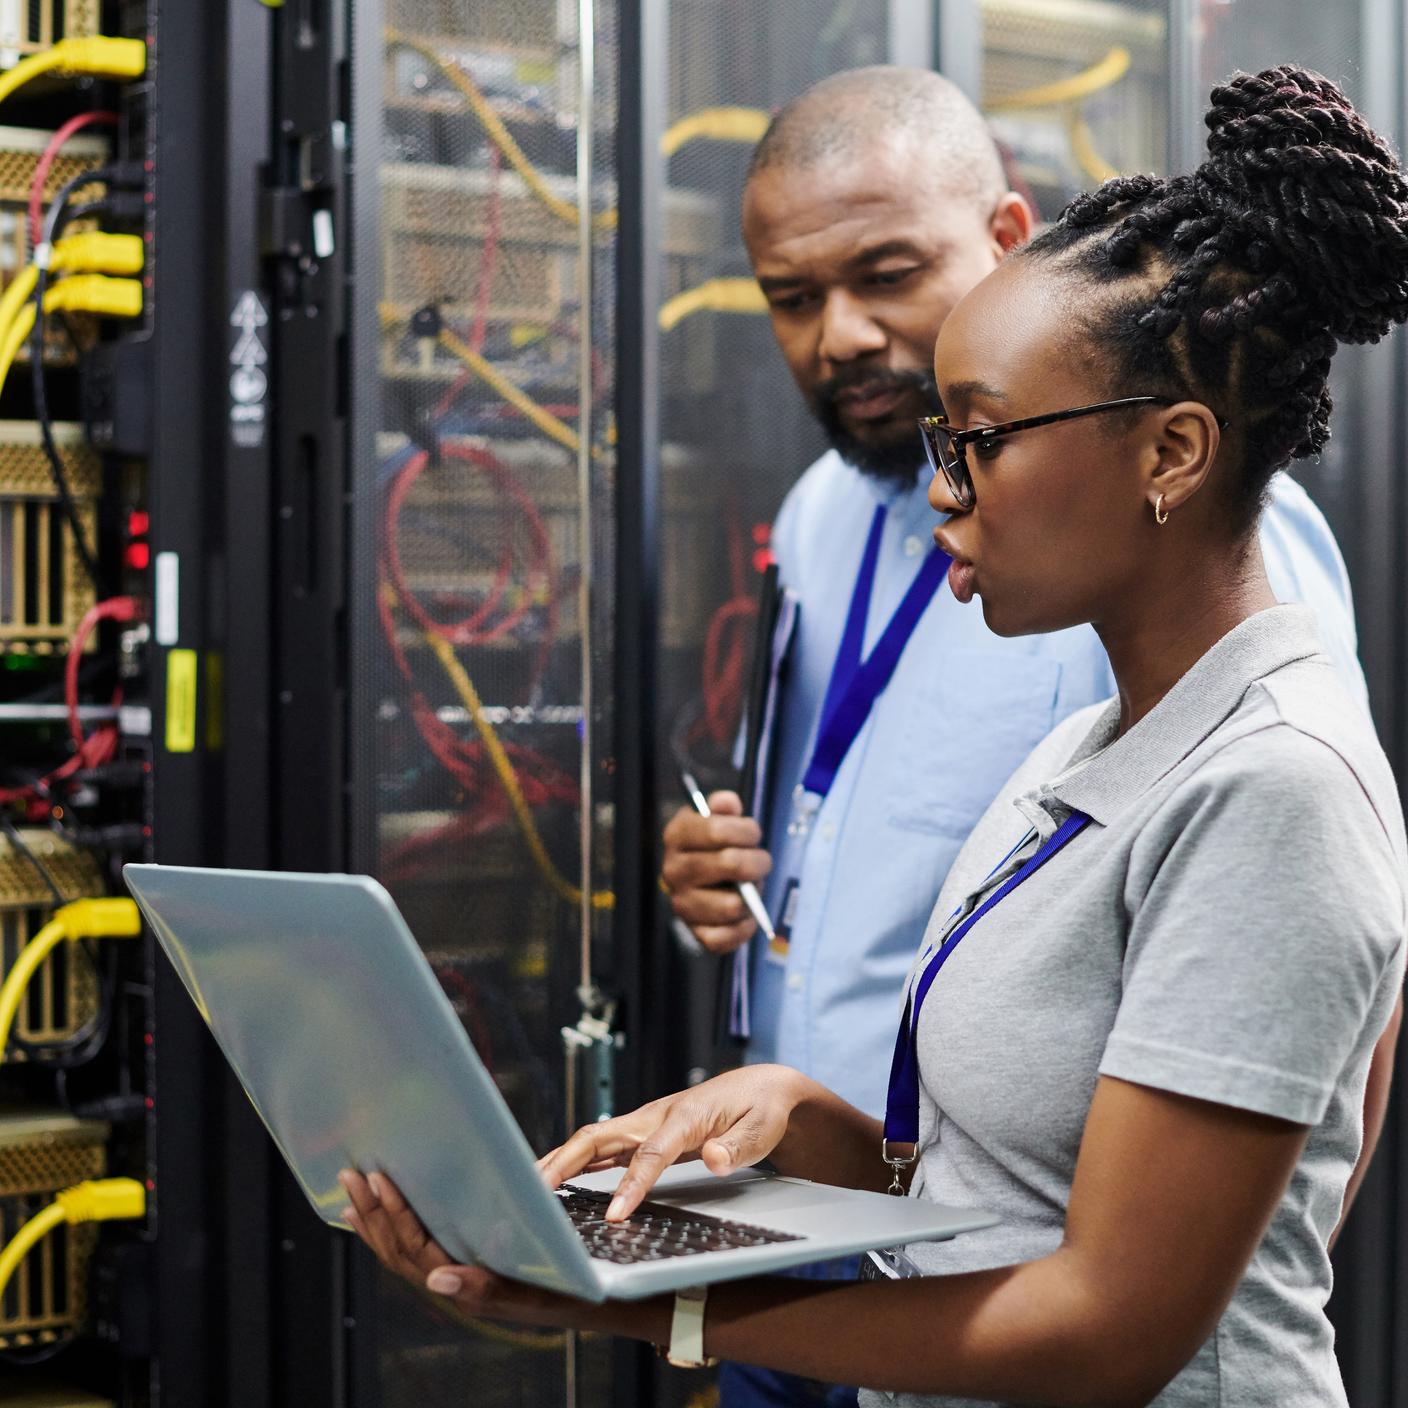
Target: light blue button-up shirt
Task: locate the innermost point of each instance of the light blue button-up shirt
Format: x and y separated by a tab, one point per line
962	710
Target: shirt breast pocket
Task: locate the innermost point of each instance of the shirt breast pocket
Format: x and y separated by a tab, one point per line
973	721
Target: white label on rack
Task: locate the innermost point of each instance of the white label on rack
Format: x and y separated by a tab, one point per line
168	598
135	720
324	243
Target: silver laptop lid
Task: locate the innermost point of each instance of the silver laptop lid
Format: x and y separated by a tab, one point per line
338	1031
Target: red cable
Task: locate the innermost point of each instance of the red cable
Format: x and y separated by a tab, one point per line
99	747
46	161
723	673
117	608
471	629
542	780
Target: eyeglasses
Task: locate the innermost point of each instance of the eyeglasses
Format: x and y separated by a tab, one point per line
946	447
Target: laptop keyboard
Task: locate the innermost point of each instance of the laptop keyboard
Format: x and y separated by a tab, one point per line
654	1231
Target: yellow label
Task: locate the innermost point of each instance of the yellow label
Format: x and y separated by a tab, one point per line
215	701
180	701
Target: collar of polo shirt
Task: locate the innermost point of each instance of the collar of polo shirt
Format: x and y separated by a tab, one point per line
1202	700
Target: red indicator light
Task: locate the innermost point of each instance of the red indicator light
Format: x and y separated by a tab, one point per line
138	556
762	534
139	523
762	559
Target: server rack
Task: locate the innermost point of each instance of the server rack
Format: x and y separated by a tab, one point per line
279	138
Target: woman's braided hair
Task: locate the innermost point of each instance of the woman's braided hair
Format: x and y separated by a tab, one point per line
1243	277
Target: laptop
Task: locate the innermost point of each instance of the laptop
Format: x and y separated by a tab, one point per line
336	1026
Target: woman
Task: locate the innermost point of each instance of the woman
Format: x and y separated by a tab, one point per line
1148	1054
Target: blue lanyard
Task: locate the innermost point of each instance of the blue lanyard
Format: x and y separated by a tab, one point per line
855	683
902	1105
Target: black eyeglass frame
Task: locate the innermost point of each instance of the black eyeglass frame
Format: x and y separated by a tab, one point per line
934	430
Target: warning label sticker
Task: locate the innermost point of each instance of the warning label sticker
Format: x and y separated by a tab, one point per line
249	382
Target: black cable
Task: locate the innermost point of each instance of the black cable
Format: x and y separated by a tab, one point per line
84	1044
24	1358
21	847
80	1048
52	220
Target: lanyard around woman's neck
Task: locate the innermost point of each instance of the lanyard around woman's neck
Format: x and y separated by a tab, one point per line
902	1103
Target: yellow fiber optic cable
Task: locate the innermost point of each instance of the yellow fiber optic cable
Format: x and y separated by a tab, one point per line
1069	93
498	133
95	56
485	370
713	296
1083	148
1074	89
503	766
94	251
98	1200
79	293
96	293
82	919
19	329
730	124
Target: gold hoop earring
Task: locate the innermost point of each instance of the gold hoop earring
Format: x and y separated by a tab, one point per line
1160	512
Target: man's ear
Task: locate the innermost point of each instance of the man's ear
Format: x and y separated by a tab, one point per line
1011	223
1179	456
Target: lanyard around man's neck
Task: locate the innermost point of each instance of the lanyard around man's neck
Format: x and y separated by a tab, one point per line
855	683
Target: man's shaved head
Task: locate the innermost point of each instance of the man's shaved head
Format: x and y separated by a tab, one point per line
849	114
874	202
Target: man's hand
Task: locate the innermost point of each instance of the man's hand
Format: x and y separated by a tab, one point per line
705	857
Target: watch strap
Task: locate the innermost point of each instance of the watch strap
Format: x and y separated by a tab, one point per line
686	1348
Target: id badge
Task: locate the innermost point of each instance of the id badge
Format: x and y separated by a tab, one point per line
781	942
887	1264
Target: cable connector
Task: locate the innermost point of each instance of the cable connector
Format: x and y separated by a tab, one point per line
103	1200
98	252
125	207
92	56
125	174
110	918
96	293
99	1200
126	836
101	56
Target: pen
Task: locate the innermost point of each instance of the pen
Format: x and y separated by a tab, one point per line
747	889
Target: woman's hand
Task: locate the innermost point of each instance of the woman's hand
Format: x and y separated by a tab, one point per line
383	1219
732	1121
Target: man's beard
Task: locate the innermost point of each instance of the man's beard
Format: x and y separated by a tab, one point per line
895	460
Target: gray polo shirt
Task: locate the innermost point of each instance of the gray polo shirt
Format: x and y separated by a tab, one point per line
1230	926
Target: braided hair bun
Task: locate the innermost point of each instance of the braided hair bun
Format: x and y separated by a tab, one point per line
1305	176
1234	284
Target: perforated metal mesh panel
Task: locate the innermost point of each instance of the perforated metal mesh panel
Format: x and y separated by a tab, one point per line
62	997
27	26
44	590
469	719
1076	90
39	1156
736	432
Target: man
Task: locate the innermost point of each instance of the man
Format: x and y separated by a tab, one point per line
874	202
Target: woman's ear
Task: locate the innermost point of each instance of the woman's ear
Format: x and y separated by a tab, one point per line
1180	454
